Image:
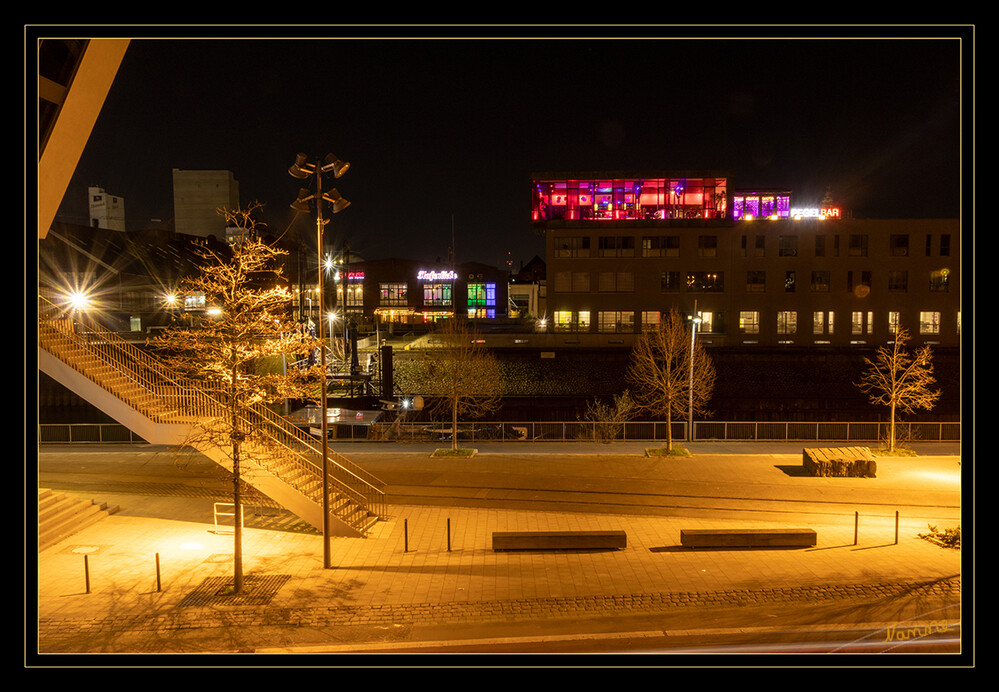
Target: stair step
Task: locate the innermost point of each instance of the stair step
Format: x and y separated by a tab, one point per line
61	515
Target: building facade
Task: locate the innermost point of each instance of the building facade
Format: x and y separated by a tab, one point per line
106	211
197	197
410	292
623	250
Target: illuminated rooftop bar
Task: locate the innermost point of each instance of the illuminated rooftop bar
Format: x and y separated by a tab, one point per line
761	205
633	198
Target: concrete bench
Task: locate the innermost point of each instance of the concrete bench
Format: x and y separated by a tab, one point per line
559	540
747	538
839	462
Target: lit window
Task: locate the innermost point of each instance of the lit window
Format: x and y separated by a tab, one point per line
929	322
894	321
822	322
562	320
940	281
393	294
437	294
787	322
749	322
709	282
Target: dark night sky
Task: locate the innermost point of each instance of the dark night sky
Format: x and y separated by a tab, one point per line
447	129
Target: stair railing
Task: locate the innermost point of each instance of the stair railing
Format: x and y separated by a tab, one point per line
146	384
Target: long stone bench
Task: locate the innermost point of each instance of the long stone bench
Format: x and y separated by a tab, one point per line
559	540
747	538
839	462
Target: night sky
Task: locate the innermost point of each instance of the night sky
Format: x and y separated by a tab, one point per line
446	132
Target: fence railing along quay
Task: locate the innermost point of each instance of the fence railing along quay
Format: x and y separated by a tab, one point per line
570	431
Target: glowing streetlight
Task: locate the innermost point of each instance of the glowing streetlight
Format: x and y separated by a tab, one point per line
302	170
696	320
78	300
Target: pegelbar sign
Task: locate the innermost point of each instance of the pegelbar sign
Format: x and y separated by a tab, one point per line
815	213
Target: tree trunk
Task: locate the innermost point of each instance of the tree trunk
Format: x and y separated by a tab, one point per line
669	431
891	429
237	548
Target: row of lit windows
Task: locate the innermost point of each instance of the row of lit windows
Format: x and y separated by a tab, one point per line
437	294
786	322
857	245
662	198
756	281
823	322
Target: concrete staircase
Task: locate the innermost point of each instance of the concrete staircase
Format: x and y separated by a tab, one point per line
61	515
136	389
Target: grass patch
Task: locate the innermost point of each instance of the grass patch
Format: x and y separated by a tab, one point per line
460	452
897	452
677	451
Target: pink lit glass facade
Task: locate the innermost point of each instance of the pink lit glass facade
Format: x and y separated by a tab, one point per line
764	205
613	199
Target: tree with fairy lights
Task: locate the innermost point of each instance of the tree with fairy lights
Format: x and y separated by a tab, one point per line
232	349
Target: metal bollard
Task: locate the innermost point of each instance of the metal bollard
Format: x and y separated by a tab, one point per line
856	526
896	527
449	534
405	535
86	572
158	584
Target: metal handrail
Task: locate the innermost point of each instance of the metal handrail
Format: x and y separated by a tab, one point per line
146	383
568	431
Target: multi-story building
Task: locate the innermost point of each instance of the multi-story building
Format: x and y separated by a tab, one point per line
197	197
622	249
106	211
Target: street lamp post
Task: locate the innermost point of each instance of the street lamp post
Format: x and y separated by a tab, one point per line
690	405
302	169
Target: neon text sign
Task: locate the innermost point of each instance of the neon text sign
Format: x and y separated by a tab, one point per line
816	213
425	275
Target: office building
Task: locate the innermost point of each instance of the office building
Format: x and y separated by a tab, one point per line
758	268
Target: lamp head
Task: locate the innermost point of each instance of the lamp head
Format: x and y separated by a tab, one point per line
298	169
332	163
338	202
302	203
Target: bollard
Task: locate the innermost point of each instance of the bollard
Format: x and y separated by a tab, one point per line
158	584
86	572
856	526
405	535
896	527
449	534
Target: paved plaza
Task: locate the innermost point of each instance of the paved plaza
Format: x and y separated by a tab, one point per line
132	579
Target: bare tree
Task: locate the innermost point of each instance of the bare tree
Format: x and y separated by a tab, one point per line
606	419
660	374
900	380
464	377
226	348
